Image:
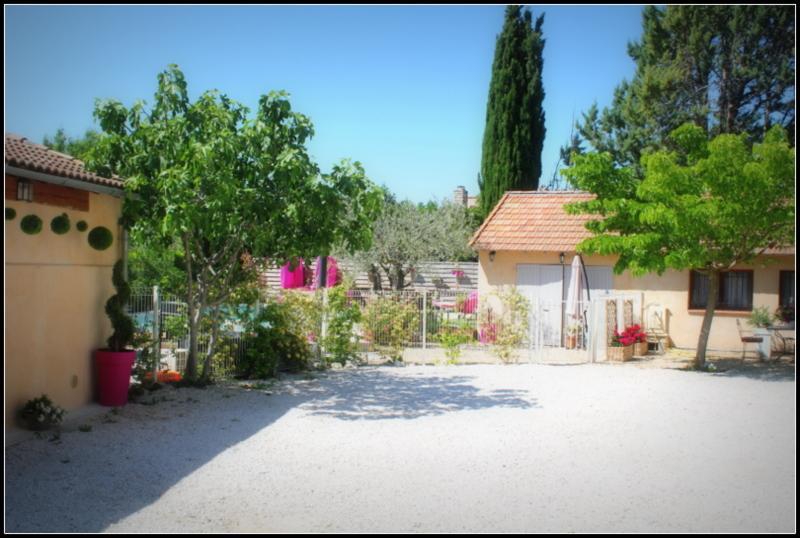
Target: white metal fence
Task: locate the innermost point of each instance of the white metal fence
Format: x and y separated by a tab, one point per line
410	319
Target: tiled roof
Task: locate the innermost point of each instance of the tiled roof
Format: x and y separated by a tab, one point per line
22	153
534	221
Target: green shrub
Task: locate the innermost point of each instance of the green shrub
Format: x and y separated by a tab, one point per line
100	238
276	343
391	321
11	213
42	411
60	224
143	344
342	315
81	225
115	309
761	317
453	337
510	327
304	311
31	224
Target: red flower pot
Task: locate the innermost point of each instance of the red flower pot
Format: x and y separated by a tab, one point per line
114	375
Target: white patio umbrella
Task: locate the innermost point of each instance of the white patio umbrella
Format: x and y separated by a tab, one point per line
578	292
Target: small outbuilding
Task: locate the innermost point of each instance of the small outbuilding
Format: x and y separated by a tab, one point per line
528	240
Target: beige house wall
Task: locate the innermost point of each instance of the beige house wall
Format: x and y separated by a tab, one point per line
56	287
670	290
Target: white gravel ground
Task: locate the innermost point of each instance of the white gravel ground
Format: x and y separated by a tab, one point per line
441	449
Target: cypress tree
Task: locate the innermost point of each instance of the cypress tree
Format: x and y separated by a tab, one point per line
514	134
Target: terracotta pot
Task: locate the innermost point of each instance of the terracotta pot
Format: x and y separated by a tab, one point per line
571	341
114	375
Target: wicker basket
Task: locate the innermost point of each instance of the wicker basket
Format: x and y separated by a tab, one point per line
640	349
620	353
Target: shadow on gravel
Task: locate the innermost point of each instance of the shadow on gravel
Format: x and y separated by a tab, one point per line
762	371
84	482
381	394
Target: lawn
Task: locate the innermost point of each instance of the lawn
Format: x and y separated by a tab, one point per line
485	448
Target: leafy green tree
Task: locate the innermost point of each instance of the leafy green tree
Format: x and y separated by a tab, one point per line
76	147
226	187
727	69
407	234
706	206
514	133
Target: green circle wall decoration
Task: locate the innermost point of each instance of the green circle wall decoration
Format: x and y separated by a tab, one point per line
81	225
100	238
31	224
60	224
11	213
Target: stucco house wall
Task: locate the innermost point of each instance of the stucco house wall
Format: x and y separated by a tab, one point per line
55	292
670	290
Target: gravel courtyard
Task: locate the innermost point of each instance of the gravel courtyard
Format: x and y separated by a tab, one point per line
471	448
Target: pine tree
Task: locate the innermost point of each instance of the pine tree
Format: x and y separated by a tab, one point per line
514	134
727	69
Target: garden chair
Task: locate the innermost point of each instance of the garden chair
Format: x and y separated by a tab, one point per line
747	337
655	327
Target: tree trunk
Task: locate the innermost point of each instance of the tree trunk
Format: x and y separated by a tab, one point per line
711	305
193	313
212	342
400	277
374	276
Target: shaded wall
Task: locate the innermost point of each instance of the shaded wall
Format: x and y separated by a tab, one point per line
56	287
670	290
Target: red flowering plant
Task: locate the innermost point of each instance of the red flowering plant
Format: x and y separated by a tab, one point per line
629	336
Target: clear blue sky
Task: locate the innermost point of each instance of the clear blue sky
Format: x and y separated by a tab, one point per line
401	89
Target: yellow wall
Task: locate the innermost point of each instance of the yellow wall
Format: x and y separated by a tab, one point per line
56	287
671	290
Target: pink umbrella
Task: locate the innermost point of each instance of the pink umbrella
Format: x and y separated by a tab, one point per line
331	275
292	279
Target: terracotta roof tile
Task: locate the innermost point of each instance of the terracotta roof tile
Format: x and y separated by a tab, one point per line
533	221
22	153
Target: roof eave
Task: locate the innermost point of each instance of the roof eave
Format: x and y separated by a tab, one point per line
118	192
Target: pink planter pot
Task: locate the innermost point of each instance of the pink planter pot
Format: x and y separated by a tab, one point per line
114	376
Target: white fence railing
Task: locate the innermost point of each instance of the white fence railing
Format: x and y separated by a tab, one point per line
410	319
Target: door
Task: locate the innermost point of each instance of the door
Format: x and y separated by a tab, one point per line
542	285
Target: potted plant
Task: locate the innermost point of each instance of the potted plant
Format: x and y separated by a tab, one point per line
572	335
621	347
640	346
114	364
761	319
785	314
41	413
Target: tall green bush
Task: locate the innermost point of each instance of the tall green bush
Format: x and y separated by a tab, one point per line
342	313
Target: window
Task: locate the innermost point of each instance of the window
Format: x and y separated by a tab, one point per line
787	289
735	290
24	190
